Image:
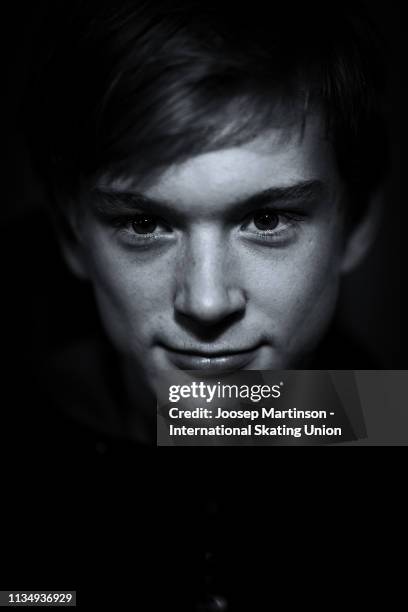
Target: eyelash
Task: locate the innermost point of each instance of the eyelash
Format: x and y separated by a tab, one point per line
292	218
122	223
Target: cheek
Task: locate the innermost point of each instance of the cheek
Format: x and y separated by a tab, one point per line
131	291
297	288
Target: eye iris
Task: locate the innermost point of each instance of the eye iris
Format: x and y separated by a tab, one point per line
144	225
266	221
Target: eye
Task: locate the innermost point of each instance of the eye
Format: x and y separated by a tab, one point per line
144	224
142	227
266	220
273	226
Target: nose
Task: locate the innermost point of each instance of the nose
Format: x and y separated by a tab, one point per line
207	291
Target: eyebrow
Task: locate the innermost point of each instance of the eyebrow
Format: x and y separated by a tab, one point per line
111	200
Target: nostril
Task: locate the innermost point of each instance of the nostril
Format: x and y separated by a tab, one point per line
207	331
210	310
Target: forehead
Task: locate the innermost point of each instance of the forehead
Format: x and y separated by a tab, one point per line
280	156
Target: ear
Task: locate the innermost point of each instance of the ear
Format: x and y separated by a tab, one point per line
66	224
361	236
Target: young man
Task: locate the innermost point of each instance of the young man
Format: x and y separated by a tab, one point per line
213	171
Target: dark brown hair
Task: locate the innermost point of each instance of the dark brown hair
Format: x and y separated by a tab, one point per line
160	81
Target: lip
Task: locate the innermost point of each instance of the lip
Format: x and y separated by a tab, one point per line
216	362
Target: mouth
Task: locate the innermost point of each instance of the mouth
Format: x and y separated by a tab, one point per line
225	361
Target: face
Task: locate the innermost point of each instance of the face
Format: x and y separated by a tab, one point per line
228	260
